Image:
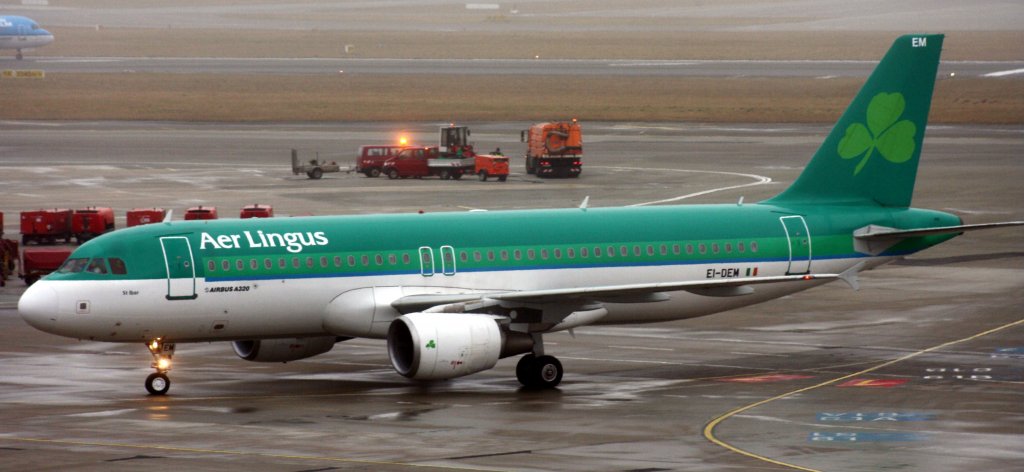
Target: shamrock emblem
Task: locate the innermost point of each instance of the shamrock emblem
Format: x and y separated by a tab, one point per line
893	139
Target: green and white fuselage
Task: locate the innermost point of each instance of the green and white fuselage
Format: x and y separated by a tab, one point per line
454	292
265	278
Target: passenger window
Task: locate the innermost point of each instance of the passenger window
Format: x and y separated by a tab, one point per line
464	256
490	255
379	259
570	253
296	263
337	261
544	254
689	248
597	252
117	266
351	261
239	264
664	250
365	260
392	259
714	248
210	266
281	263
531	254
517	254
476	256
226	265
741	247
323	261
268	264
254	264
406	259
97	266
753	246
558	253
504	254
675	249
624	251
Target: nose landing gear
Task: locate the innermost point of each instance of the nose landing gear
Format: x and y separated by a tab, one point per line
158	383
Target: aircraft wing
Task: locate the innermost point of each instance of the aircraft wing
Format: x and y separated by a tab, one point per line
630	293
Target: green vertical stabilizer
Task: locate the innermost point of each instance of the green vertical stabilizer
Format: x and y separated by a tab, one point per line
871	155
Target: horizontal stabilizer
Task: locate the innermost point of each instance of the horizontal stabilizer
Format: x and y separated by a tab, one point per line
874	240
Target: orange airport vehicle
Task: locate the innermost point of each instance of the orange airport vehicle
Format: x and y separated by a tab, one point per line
89	222
45	226
257	211
554	149
491	165
201	213
145	216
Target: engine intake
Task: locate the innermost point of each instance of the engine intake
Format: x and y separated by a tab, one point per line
436	346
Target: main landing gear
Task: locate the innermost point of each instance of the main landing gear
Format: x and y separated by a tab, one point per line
537	371
158	383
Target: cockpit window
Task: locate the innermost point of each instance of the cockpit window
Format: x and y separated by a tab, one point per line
117	266
97	266
73	266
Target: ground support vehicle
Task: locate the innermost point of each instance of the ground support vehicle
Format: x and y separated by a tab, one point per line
257	211
89	222
427	161
9	259
45	226
201	213
370	159
554	149
314	168
145	216
491	165
39	261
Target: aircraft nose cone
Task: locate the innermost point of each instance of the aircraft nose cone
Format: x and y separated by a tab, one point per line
38	306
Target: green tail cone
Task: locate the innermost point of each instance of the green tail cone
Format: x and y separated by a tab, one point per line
871	155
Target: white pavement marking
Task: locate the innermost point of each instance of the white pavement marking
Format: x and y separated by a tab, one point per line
1004	73
760	180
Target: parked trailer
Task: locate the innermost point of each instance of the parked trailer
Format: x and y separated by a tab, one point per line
45	226
257	211
89	222
201	213
314	168
39	261
145	216
554	149
10	257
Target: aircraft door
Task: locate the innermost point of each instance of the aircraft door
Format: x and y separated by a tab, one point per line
426	261
180	265
799	237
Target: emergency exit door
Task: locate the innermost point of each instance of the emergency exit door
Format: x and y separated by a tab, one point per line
799	237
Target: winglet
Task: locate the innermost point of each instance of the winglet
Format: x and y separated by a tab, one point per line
850	276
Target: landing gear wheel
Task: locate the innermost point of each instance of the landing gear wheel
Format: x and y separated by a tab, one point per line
157	383
539	372
483	176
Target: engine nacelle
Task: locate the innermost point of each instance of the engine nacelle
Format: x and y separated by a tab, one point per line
435	346
283	350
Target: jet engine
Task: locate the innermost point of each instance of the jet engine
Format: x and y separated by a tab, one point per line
435	346
283	350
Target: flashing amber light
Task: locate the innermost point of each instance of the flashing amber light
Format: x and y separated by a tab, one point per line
808	277
402	140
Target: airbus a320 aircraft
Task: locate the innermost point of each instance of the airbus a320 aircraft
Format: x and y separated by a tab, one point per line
18	32
455	292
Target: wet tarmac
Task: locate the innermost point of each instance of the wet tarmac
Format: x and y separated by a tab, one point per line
920	370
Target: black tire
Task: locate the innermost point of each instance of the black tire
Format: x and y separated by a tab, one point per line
483	175
393	174
539	372
502	178
548	372
374	172
158	384
524	369
445	175
457	175
316	173
531	165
